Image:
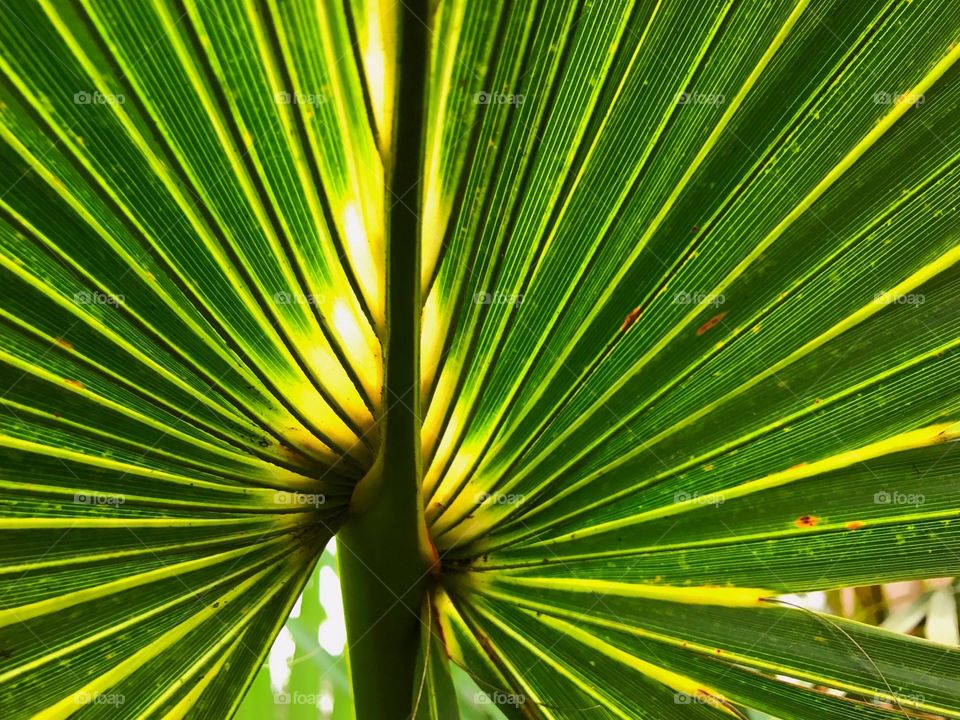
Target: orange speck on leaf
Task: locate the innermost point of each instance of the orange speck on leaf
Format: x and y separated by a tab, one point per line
630	319
806	521
711	323
66	345
855	525
798	465
77	384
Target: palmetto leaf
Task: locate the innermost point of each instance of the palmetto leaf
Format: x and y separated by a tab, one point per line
681	326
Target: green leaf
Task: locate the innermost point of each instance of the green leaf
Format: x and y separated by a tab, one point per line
592	329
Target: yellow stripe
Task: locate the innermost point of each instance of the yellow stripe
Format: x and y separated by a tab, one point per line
912	440
261	498
73	702
558	667
61	602
700	595
695	691
87	523
710	651
133	621
183	708
437	199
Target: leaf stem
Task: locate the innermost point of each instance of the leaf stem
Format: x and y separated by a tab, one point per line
383	562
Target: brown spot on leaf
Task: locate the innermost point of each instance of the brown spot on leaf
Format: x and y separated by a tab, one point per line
806	521
436	567
630	319
64	344
711	323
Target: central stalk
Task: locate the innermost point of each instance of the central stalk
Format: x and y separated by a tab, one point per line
383	562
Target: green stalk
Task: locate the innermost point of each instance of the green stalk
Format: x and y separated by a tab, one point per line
383	564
